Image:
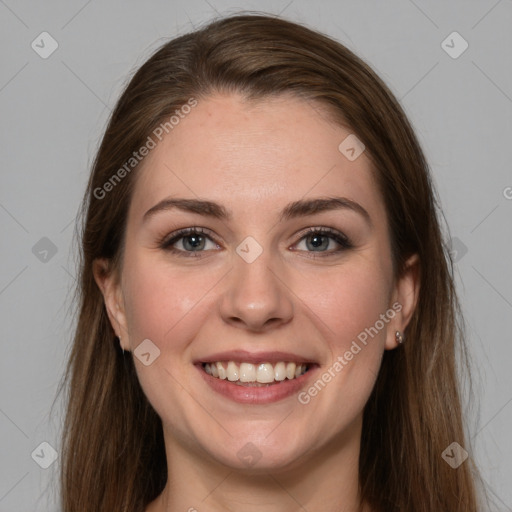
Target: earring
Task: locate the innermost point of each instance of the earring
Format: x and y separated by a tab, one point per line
399	337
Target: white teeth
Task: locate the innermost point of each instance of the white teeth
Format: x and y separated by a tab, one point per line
232	371
290	370
247	372
280	371
220	370
263	373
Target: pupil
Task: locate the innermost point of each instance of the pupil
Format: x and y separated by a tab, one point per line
194	241
317	241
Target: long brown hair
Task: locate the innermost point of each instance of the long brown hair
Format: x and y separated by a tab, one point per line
113	447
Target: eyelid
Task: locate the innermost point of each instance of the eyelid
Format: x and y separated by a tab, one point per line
324	230
339	237
173	237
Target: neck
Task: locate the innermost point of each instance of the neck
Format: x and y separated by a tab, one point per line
324	479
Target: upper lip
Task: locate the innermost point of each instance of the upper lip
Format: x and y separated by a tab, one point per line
254	357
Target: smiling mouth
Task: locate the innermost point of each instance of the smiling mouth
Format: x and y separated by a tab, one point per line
255	375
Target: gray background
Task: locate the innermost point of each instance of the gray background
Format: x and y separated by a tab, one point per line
53	112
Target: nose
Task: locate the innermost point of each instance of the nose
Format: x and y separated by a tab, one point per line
257	297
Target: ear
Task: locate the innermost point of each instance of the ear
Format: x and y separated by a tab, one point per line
404	299
110	287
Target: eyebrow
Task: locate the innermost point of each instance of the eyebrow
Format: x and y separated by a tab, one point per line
292	210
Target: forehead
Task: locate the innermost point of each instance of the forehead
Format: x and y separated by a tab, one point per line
254	156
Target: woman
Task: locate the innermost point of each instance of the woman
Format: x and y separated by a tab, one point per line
267	317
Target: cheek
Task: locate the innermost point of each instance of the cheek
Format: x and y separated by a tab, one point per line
167	307
161	301
347	301
348	305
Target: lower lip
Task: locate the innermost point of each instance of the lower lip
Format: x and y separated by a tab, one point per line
257	395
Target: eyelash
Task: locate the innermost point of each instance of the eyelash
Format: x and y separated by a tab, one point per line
339	238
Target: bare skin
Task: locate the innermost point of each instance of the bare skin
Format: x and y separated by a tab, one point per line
305	294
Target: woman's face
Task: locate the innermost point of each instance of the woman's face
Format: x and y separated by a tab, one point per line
276	274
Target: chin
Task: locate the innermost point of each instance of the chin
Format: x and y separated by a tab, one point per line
258	454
